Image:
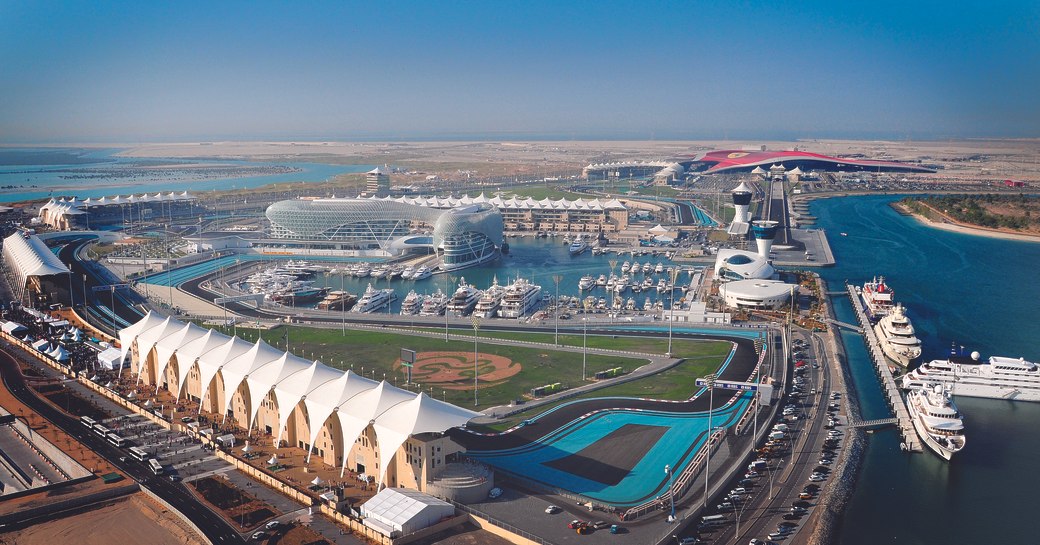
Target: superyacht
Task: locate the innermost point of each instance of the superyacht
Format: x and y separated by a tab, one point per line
412	304
896	337
374	299
936	420
464	299
520	298
878	298
489	302
434	304
996	378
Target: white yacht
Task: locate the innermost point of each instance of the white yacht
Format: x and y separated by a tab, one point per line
647	268
578	246
601	281
587	282
412	304
878	298
520	298
896	336
996	378
374	299
407	273
464	299
936	419
490	301
659	268
625	267
434	304
422	273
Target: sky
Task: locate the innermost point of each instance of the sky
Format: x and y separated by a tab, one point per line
187	71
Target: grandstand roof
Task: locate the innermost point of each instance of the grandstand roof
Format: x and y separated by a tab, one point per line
27	255
394	413
512	203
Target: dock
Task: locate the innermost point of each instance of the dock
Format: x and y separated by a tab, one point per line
888	382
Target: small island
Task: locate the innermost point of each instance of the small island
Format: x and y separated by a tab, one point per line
1000	215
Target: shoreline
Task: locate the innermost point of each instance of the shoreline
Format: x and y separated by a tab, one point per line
950	225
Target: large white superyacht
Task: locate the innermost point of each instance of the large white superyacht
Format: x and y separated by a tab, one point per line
374	299
896	335
521	297
996	378
490	301
464	299
936	419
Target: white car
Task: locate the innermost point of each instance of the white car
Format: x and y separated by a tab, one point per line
552	510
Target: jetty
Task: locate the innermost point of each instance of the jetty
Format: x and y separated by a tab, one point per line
888	382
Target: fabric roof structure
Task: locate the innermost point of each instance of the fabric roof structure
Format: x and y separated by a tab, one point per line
509	204
54	209
747	161
395	414
27	256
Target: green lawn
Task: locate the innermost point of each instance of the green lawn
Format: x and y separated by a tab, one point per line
373	353
681	348
677	383
539	193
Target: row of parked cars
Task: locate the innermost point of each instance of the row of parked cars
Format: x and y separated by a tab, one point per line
585	526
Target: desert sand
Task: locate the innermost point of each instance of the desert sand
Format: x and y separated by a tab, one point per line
135	519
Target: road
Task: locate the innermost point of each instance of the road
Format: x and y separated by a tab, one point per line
213	526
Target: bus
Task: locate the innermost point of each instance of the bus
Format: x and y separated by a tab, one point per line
155	466
711	521
116	440
101	430
137	454
88	422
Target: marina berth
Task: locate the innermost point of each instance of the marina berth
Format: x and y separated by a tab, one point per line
998	377
936	419
896	337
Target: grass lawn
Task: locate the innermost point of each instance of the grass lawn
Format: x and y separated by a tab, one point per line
681	348
539	193
373	353
675	384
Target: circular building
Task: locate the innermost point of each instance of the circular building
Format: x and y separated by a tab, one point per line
762	294
733	264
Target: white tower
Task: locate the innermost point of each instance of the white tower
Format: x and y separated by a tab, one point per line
741	201
765	232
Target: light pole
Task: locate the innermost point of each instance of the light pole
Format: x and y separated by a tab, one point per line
343	304
556	280
671	313
447	290
476	328
613	264
710	382
584	340
671	493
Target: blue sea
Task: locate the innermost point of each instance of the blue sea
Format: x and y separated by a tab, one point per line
38	173
962	290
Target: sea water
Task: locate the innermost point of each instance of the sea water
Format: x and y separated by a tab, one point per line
959	289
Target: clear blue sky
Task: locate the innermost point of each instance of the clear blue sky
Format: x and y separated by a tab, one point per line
154	71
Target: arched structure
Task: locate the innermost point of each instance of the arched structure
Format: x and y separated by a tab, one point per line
346	419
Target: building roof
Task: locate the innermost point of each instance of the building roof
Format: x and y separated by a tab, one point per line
27	255
395	414
394	508
759	289
512	203
739	160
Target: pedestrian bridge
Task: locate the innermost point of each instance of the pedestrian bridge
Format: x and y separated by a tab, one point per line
845	325
877	423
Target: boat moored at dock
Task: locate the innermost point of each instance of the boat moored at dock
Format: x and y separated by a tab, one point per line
936	419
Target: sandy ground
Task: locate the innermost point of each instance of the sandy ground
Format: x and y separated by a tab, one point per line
135	519
950	225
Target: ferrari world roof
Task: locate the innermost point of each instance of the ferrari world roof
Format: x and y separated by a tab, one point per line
395	414
739	160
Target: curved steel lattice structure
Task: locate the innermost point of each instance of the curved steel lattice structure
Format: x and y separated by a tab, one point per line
464	236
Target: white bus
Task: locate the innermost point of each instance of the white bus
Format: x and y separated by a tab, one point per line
88	422
155	466
101	430
116	440
137	454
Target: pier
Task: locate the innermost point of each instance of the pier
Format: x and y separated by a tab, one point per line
888	382
845	325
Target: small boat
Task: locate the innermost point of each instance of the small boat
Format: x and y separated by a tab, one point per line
422	273
601	281
625	267
578	247
586	282
844	234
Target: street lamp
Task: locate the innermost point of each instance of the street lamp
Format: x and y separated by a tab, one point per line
450	280
584	339
671	493
613	264
476	327
671	312
556	280
710	382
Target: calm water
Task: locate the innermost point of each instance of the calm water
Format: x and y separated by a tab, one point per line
98	173
977	292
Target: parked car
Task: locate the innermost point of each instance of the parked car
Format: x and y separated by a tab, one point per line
552	509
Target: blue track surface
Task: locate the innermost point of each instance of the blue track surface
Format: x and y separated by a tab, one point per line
685	435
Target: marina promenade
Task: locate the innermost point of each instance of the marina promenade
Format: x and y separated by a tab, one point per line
888	382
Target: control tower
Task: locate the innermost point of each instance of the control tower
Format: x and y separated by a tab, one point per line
742	201
765	232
